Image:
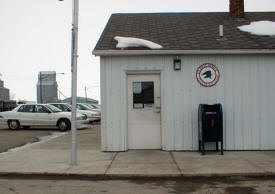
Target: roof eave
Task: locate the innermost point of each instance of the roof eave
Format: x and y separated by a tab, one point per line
183	52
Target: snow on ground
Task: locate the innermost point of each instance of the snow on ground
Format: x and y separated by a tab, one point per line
126	42
260	28
42	139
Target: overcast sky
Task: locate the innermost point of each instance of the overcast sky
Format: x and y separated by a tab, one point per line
35	35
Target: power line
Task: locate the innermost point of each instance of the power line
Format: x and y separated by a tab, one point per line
61	93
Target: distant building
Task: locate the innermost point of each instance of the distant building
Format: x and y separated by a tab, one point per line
80	100
4	92
46	87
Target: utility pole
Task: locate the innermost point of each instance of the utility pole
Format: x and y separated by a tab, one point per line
86	94
74	81
40	90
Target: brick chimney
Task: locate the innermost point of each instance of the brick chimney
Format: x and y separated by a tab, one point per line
237	8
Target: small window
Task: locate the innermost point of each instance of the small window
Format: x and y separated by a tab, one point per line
26	108
143	94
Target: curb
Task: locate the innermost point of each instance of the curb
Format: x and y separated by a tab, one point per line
64	176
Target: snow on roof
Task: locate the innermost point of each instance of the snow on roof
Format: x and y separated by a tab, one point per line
261	28
126	42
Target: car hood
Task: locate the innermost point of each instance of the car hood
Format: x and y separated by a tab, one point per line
97	110
87	112
68	114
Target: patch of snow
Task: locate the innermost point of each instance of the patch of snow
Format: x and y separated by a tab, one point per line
260	28
126	42
42	139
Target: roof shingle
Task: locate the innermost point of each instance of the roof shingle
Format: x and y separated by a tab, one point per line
186	31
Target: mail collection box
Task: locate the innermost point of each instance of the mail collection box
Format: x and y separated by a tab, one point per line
210	123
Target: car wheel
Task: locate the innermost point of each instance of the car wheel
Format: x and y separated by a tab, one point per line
64	125
13	124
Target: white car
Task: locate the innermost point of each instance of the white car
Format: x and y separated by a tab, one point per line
91	115
84	106
94	107
27	115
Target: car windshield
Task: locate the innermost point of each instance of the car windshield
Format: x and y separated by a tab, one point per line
53	108
96	106
64	107
68	107
83	107
90	106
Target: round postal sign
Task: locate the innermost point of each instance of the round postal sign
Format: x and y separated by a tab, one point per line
207	74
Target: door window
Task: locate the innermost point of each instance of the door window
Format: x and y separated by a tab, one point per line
26	108
143	94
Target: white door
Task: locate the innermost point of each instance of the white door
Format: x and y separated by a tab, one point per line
43	116
25	115
144	131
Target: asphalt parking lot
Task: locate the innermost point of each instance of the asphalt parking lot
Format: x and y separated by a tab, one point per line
11	139
15	138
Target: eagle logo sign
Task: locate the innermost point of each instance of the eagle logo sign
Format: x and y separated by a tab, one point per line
207	74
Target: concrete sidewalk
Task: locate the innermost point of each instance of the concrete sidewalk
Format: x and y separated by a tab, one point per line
53	158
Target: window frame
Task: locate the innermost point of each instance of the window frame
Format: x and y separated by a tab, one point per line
141	99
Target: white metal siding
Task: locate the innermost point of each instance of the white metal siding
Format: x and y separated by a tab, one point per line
246	90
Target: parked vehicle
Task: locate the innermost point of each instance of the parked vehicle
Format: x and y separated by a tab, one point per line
82	107
27	115
85	106
6	105
91	115
93	107
62	106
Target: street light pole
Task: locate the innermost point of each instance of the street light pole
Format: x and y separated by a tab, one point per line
87	88
74	80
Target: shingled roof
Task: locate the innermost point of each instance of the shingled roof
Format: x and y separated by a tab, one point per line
186	31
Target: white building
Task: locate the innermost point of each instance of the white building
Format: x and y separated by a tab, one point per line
148	103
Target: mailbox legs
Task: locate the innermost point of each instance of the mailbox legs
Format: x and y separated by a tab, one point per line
221	147
202	147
